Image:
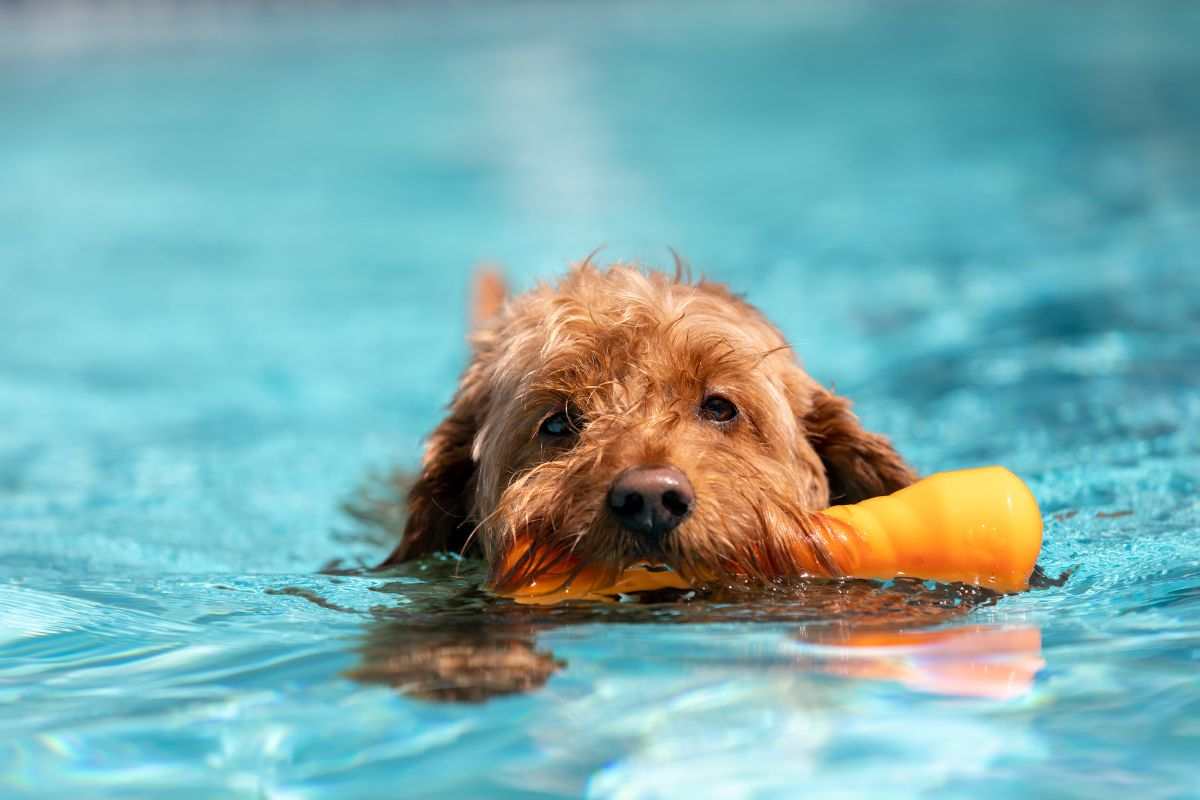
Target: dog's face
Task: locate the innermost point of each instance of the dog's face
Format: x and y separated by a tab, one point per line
624	417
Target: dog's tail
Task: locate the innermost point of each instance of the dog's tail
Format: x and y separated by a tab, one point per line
488	295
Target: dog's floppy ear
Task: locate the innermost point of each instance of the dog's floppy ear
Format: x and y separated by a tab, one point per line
858	464
440	500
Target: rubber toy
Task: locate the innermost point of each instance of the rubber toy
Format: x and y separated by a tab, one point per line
976	526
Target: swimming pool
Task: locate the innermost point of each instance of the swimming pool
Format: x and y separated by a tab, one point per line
234	251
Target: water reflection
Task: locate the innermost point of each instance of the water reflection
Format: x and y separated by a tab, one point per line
466	646
991	661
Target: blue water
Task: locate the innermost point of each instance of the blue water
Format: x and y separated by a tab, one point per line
234	255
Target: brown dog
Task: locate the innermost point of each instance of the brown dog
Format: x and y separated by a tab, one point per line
625	416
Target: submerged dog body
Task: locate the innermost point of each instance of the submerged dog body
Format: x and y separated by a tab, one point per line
622	416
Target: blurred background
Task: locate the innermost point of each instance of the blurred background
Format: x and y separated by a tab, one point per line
235	238
236	242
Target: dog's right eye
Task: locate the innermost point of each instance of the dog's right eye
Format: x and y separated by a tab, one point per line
558	426
716	408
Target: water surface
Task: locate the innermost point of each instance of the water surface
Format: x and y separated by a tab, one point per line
234	251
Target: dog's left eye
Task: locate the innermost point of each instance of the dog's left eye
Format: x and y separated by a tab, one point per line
560	425
716	408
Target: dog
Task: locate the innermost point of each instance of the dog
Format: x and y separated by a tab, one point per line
625	415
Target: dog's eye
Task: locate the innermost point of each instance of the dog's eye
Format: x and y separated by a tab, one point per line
560	425
718	409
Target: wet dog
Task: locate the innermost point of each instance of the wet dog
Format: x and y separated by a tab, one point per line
623	415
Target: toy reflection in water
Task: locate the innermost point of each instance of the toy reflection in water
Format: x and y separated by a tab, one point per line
991	661
473	647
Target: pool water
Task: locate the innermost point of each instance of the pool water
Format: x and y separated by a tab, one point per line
235	247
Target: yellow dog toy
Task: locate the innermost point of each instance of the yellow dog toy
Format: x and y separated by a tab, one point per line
979	526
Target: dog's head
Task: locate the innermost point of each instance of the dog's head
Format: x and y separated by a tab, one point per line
623	416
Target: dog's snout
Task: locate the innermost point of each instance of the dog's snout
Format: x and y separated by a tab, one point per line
651	500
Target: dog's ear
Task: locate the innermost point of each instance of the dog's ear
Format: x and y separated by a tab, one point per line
858	464
440	500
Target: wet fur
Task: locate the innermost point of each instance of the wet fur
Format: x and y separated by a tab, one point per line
632	354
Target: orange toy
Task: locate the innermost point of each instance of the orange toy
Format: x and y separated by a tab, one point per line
979	526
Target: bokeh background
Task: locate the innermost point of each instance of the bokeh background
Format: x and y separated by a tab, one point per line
235	249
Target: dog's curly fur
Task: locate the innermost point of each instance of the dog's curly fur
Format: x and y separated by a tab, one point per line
630	355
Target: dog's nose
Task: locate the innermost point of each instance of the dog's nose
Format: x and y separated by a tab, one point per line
651	500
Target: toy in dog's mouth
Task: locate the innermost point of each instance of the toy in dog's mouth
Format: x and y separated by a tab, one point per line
979	526
537	578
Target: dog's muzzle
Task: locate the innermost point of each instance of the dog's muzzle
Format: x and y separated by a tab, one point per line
651	501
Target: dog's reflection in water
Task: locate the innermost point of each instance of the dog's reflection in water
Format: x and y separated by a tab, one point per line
466	662
471	648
